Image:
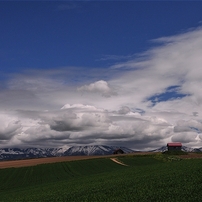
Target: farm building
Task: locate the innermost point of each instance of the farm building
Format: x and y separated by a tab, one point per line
174	146
118	151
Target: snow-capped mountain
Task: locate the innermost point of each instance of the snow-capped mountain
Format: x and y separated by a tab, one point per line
16	153
161	149
188	149
184	148
94	150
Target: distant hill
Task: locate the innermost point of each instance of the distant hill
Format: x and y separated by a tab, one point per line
184	148
17	153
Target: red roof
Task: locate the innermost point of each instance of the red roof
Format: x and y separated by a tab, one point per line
174	144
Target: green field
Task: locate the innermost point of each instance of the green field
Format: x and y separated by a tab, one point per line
147	178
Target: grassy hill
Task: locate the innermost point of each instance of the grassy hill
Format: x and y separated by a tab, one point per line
147	178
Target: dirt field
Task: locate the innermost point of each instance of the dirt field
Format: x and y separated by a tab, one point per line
33	162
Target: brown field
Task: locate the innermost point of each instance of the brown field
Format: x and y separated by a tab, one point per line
191	155
33	162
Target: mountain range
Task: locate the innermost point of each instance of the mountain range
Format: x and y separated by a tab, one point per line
184	148
17	153
94	150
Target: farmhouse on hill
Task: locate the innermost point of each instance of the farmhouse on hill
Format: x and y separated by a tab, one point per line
174	146
118	151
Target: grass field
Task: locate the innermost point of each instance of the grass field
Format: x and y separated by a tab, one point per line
147	178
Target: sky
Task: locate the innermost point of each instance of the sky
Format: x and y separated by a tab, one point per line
120	73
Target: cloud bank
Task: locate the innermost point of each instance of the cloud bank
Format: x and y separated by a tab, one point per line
154	99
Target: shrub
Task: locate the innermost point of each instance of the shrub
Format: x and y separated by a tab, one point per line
175	153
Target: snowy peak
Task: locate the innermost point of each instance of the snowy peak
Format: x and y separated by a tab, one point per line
184	148
188	149
94	150
161	149
16	153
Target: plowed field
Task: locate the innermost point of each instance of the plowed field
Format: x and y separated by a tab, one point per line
33	162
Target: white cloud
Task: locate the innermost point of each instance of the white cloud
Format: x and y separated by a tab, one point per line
113	111
9	127
185	137
101	87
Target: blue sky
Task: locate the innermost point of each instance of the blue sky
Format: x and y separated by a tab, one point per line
54	34
100	72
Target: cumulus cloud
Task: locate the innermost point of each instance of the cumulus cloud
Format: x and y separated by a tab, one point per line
78	120
49	110
86	124
9	127
124	110
189	125
101	87
185	137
